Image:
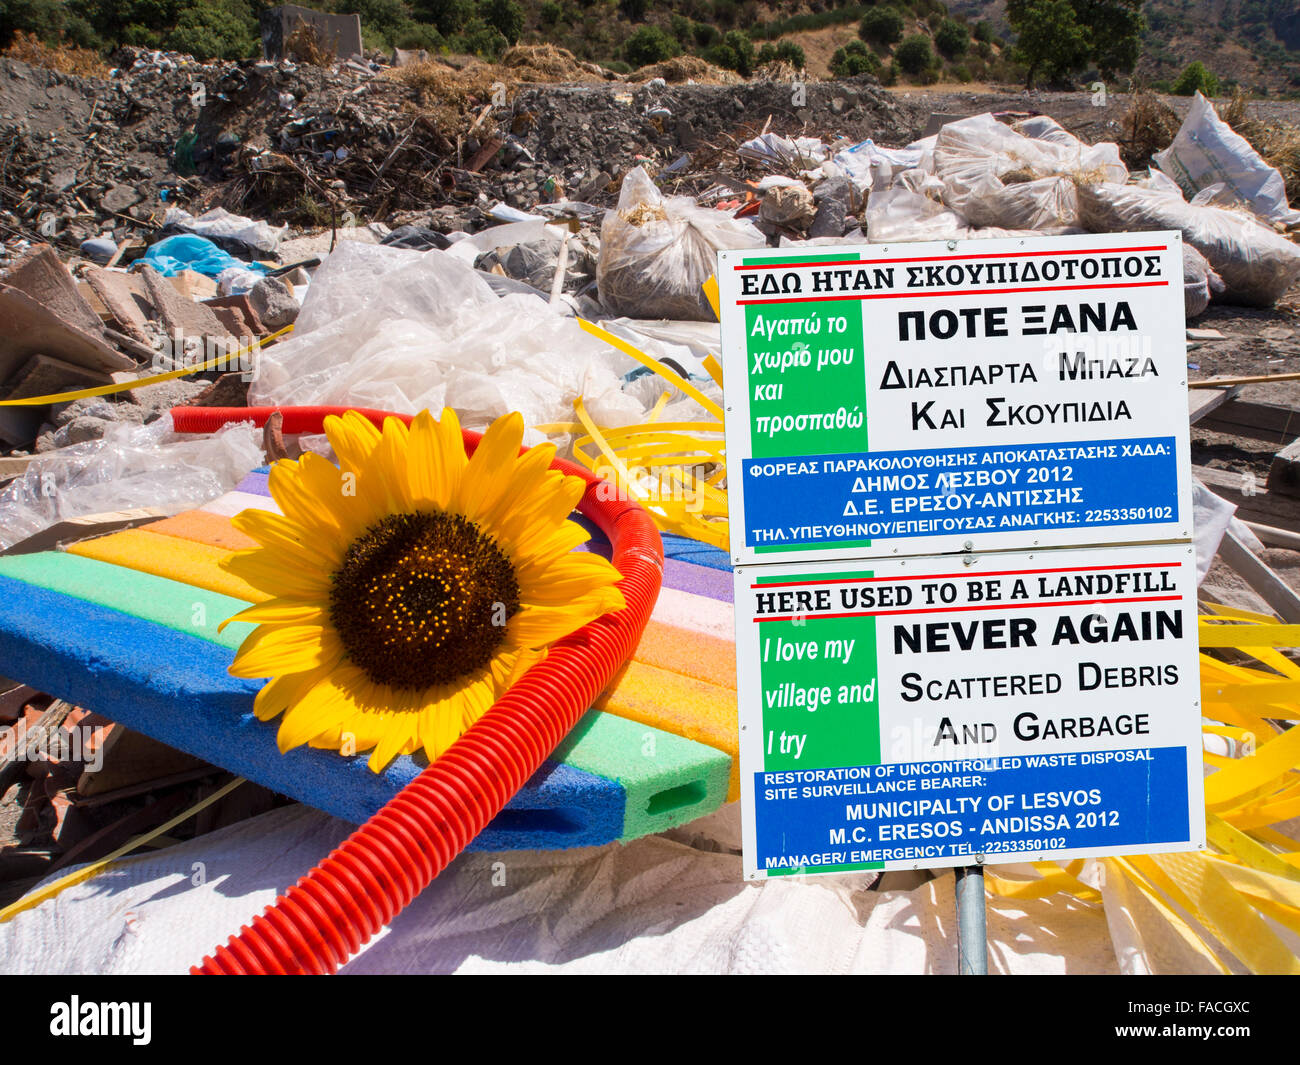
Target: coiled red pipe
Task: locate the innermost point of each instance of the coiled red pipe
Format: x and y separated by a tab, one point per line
331	912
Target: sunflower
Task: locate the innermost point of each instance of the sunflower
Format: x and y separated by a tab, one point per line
409	586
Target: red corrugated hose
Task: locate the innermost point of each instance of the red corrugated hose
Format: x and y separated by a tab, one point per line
330	913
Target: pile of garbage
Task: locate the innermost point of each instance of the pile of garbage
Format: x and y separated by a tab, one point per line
981	177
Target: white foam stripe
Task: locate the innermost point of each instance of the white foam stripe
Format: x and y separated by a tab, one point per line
232	503
695	613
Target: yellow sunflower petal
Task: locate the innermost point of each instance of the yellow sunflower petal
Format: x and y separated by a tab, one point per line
282	611
271	650
280	693
537	625
428	479
529	474
266	570
549	547
488	474
353	437
283	534
565	579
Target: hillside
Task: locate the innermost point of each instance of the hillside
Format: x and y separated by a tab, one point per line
1252	43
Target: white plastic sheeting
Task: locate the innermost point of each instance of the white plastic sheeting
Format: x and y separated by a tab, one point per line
405	330
672	903
221	223
1207	151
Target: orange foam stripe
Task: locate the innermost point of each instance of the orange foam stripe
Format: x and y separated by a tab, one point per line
663	699
170	557
692	654
202	527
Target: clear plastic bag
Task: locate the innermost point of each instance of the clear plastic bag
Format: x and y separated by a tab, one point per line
985	165
656	252
1256	264
1200	282
132	466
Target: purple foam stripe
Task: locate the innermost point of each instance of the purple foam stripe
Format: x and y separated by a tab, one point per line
255	484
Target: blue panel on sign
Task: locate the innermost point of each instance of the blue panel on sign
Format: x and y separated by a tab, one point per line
909	811
888	494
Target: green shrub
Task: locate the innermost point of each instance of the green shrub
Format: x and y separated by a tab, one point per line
1195	78
449	16
853	59
634	9
214	31
478	38
962	74
914	55
649	44
550	13
738	41
504	16
881	25
984	31
952	39
705	34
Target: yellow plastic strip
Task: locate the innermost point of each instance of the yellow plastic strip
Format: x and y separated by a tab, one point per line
1237	612
109	861
713	296
1248	637
1271	760
1175	920
142	382
1235	842
652	364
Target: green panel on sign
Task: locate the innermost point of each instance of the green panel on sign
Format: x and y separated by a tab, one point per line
820	692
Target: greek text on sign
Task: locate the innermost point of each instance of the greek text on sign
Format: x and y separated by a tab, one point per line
935	397
915	713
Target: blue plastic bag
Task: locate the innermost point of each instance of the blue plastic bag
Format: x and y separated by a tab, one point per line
190	252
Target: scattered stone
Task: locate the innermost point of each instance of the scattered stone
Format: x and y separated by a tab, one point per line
274	304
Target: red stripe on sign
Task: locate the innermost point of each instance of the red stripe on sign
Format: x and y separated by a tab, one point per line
982	606
971	573
947	258
964	292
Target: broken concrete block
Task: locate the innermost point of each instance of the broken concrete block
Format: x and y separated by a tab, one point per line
119	300
29	328
233	320
244	306
274	305
41	275
178	313
43	375
193	285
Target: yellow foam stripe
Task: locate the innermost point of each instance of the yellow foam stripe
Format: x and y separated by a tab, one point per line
171	557
1217	905
1174	919
110	861
1271	760
702	712
220	362
652	364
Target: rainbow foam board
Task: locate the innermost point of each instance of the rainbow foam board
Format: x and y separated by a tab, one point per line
127	624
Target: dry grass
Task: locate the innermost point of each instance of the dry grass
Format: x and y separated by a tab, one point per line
305	46
687	68
546	63
84	62
1277	142
1149	126
445	95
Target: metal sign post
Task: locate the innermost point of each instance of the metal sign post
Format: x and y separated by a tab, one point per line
972	932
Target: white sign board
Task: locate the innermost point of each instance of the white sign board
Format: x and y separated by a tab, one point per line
964	395
909	713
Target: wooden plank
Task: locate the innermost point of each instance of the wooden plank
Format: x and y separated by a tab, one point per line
1261	577
1260	421
1254	502
1284	473
1204	400
1271	536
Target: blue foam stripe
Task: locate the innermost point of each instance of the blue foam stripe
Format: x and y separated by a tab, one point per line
685	549
175	688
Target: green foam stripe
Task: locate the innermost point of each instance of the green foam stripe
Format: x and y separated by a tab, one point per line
669	779
194	611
